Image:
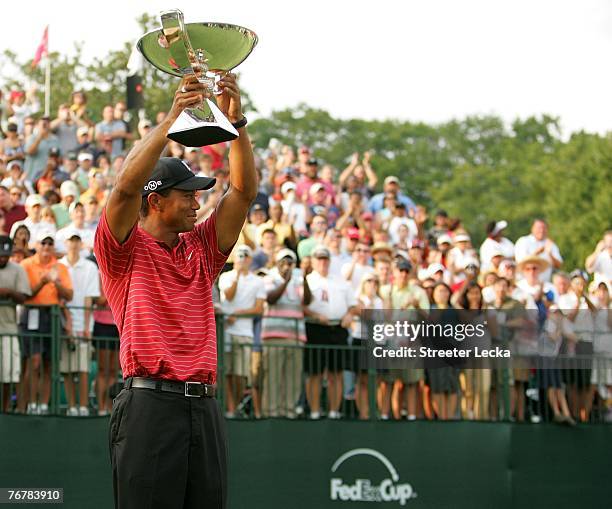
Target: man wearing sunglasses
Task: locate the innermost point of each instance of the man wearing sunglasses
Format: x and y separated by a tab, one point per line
50	284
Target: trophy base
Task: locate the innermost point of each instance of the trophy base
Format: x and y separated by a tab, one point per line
202	136
190	131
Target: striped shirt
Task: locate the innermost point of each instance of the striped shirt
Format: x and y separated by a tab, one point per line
161	299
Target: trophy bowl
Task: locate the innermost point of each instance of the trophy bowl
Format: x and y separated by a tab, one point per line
205	50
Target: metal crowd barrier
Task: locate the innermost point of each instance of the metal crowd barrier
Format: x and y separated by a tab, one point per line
40	360
274	384
270	379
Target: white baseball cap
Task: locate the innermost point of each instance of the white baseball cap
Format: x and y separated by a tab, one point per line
45	234
392	179
444	239
69	188
499	226
288	186
33	200
435	267
315	188
286	253
244	249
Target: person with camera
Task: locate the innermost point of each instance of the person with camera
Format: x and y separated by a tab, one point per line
242	294
167	436
37	147
65	126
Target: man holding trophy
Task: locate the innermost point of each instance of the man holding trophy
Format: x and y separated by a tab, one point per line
167	434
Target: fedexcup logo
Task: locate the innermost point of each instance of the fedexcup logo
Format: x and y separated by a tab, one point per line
364	490
152	185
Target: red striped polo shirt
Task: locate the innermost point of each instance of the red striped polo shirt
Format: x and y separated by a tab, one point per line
161	300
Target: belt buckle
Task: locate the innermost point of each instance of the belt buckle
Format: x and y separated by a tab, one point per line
187	389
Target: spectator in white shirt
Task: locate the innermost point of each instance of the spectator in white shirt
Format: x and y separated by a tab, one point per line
34	222
495	244
538	244
360	265
533	289
242	294
368	297
75	351
459	255
293	209
339	256
401	217
561	284
599	262
329	306
16	177
579	309
77	214
283	334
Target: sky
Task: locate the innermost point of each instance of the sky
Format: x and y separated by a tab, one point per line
426	60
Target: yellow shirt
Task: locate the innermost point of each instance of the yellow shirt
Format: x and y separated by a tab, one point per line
283	231
401	296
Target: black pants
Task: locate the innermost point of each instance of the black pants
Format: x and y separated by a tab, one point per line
167	451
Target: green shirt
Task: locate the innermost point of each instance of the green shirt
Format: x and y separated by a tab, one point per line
62	217
306	246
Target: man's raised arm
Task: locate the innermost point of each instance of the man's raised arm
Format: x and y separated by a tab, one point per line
234	205
125	199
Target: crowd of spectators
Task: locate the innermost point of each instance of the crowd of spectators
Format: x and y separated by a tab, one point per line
320	245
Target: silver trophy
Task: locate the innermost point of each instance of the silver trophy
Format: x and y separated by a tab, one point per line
201	49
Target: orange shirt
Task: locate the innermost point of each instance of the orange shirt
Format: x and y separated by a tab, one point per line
35	271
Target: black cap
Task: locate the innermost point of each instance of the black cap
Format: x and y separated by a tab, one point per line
313	162
257	206
54	151
403	264
173	173
6	245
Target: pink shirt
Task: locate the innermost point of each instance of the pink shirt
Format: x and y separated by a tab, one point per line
302	189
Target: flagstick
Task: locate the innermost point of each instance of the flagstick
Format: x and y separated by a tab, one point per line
48	86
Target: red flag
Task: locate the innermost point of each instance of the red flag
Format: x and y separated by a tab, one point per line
43	48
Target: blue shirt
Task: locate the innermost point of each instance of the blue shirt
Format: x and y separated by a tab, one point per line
376	202
36	163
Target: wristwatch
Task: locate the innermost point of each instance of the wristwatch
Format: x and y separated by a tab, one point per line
240	123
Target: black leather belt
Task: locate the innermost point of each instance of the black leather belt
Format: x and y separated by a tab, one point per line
188	389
